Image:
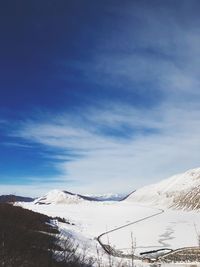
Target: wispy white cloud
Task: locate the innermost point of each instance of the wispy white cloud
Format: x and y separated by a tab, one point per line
150	48
120	164
14	144
120	145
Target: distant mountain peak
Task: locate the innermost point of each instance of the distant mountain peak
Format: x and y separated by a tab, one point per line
62	197
109	197
58	197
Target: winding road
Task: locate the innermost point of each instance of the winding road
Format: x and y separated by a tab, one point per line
111	251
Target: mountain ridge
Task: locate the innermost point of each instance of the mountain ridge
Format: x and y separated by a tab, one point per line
14	198
62	197
172	191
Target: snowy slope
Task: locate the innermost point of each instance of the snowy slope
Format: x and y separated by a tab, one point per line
172	191
189	201
61	197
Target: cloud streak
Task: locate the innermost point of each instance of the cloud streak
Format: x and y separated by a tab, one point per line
142	120
117	162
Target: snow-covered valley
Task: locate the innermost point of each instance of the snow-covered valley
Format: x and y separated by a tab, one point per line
171	229
140	219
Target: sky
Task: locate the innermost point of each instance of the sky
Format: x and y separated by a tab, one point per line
97	96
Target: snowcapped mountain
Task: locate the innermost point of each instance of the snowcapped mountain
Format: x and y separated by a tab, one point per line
179	191
62	197
65	197
108	197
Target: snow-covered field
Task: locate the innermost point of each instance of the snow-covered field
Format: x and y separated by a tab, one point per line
94	218
171	229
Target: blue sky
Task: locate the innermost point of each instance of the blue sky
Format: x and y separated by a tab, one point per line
97	96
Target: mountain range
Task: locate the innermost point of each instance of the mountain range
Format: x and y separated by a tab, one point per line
181	191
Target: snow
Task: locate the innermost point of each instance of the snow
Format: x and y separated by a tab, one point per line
171	229
140	215
108	197
59	197
165	192
94	218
